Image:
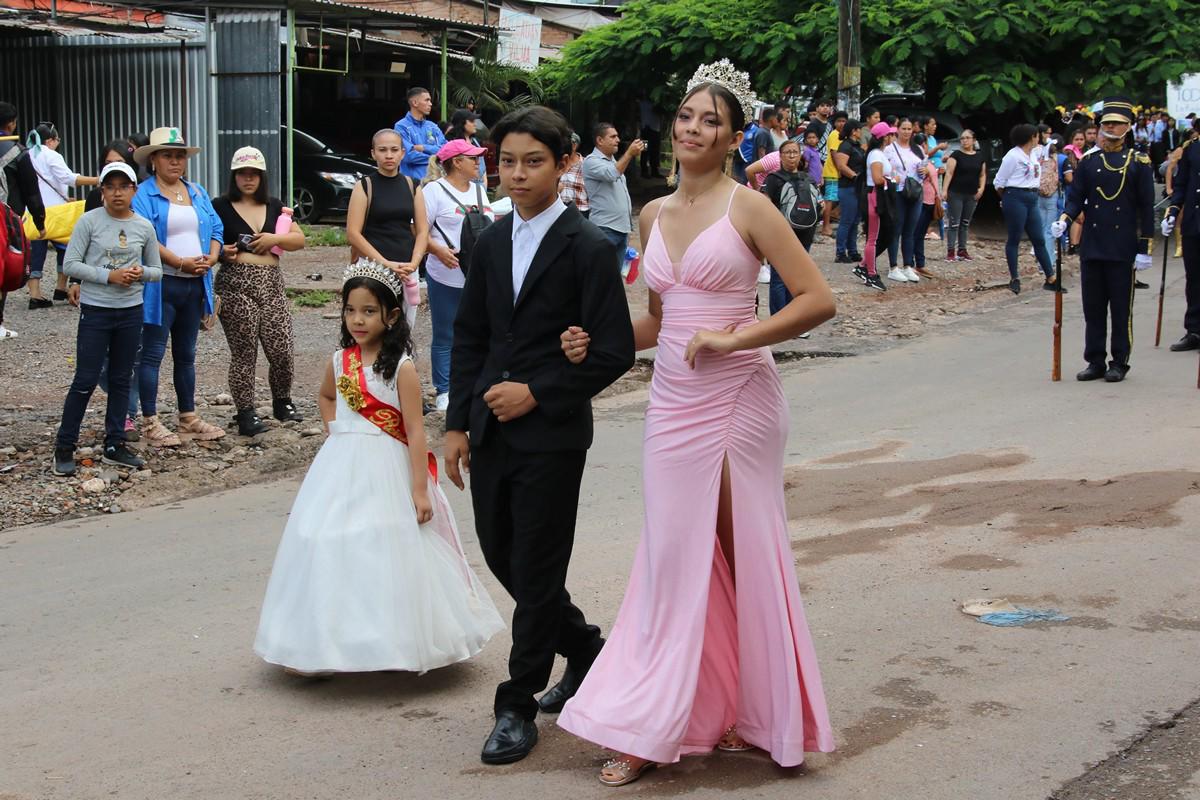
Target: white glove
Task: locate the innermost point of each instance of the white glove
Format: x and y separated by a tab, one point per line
1168	225
1058	228
1143	262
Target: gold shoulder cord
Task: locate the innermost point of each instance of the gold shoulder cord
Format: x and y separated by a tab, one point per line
1123	169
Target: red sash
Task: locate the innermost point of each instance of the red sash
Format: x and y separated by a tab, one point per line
352	386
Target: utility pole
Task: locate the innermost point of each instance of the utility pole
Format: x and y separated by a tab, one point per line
849	74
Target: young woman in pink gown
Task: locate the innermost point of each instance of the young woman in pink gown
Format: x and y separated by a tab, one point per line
710	647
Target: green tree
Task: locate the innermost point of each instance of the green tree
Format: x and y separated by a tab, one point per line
1019	56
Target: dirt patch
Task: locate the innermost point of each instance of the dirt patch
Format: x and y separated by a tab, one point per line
991	708
884	450
1158	764
1155	623
971	562
1027	507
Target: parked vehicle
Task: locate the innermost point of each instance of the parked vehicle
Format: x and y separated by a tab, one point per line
323	176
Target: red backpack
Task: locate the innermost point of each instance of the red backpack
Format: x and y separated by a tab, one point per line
14	251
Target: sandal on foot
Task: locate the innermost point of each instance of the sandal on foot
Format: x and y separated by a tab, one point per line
199	429
620	771
157	434
732	742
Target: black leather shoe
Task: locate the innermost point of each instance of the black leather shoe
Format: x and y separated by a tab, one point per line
249	423
1014	286
1093	372
1140	284
285	411
512	738
1116	373
553	700
1190	341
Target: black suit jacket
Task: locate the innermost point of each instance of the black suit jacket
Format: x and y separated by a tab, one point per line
572	280
1186	183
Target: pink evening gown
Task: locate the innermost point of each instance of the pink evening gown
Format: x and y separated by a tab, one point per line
688	656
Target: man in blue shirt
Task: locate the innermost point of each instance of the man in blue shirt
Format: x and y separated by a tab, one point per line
421	136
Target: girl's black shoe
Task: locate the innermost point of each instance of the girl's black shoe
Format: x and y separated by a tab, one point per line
249	423
285	411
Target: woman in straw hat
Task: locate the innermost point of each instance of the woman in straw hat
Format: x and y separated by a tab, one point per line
189	242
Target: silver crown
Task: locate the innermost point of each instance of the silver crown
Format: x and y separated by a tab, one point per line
724	73
366	268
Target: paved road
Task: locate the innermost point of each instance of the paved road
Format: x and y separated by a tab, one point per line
943	469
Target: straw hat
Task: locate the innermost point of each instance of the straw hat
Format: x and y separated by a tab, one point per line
163	139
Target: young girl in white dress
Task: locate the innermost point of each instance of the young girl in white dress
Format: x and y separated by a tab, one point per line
370	574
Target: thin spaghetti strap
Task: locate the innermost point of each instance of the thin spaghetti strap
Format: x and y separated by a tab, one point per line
729	207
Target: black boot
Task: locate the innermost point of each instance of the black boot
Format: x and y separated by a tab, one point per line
248	423
285	411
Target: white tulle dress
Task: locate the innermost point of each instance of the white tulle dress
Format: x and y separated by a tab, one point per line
357	584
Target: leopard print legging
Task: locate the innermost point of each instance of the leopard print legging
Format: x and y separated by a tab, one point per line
253	309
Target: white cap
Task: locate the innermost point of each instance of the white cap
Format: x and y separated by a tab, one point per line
118	167
250	157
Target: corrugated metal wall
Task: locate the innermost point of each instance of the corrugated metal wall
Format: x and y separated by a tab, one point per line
249	106
96	89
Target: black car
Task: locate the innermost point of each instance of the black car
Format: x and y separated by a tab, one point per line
323	178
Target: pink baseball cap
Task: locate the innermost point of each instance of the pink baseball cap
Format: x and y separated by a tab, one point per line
458	147
882	129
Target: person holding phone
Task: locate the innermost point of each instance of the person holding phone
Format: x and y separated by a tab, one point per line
608	194
250	283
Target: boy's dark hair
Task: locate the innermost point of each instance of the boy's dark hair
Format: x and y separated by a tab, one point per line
769	114
544	124
396	340
8	112
1020	134
866	111
233	194
138	140
839	115
415	91
826	102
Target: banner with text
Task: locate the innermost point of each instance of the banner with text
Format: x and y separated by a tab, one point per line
1183	98
520	39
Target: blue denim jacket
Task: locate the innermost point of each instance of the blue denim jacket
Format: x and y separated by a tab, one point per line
150	203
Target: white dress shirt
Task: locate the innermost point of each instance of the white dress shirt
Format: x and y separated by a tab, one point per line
527	235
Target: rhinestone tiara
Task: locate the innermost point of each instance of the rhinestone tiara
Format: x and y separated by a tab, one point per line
724	73
366	268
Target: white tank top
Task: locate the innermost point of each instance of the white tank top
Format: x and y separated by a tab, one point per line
183	236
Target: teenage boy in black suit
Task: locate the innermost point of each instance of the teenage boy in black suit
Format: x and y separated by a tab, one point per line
528	410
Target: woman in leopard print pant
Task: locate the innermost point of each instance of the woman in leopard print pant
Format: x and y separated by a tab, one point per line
250	284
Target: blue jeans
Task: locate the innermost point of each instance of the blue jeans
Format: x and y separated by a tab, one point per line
443	307
907	212
1049	211
182	308
1020	207
37	256
778	295
620	241
133	396
847	231
110	333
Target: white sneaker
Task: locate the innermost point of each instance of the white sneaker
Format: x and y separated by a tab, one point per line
897	275
764	274
5	333
911	274
442	402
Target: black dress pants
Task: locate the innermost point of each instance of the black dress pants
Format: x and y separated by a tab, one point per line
1107	286
1191	267
525	506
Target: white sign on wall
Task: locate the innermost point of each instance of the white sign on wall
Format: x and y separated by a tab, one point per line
1183	98
520	39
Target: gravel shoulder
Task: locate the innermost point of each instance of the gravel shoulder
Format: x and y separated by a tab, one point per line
36	370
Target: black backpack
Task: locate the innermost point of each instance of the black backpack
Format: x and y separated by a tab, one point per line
800	202
474	223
